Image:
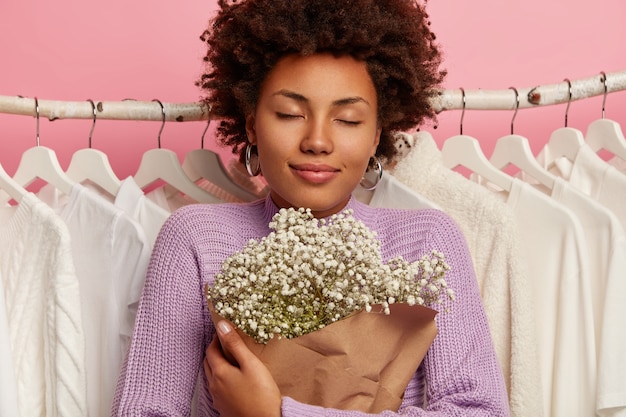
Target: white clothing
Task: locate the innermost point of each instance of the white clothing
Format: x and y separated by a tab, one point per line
490	229
111	253
612	366
554	243
42	299
8	383
591	175
618	163
391	193
606	242
132	200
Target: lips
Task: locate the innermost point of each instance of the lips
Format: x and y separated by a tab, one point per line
315	173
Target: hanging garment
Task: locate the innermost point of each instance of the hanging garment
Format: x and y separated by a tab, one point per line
169	202
606	241
110	253
92	165
605	134
163	165
8	382
256	185
591	175
206	164
391	193
555	246
493	238
221	194
132	200
170	199
618	163
612	367
150	216
42	299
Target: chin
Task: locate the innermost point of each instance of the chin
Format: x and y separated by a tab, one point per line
316	200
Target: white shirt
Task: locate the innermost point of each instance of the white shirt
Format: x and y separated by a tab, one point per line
555	246
391	193
132	200
111	254
591	175
606	241
618	163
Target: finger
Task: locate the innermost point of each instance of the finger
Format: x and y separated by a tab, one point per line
233	346
213	354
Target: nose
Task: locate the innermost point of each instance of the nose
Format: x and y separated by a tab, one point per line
317	138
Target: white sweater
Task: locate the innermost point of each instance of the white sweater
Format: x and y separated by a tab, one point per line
43	311
490	229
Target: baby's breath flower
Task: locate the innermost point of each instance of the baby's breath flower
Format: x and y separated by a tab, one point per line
308	273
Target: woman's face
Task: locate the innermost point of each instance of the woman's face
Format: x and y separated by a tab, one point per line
315	128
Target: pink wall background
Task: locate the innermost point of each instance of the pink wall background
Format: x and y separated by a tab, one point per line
71	50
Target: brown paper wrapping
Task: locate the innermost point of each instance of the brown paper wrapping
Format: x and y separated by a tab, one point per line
363	362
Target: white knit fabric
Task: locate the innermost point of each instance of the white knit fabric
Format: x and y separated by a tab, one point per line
491	231
43	310
8	383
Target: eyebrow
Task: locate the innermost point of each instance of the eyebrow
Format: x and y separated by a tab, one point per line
302	99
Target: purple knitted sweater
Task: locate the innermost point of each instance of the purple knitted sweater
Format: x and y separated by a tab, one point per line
459	376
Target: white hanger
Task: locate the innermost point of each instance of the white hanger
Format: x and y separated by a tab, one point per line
514	149
93	164
204	163
163	164
564	141
10	187
464	150
41	162
606	134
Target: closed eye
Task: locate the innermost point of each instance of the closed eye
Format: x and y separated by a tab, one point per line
287	115
349	122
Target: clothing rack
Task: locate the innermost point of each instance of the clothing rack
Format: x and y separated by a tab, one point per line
448	99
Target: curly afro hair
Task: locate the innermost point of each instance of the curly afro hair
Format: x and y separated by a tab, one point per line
246	39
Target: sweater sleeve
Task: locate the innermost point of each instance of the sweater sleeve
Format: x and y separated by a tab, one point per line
461	372
161	368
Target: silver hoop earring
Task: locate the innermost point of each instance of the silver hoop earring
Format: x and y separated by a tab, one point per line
372	177
252	161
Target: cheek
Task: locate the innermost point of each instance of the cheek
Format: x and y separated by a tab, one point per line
357	157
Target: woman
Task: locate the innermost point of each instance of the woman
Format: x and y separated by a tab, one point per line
315	90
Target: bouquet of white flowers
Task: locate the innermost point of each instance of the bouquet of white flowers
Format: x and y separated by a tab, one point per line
314	299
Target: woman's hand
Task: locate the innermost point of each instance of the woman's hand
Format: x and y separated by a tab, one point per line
245	388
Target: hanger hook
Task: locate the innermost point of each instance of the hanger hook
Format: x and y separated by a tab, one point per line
606	90
162	123
37	115
569	100
463	112
516	107
93	124
204	133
